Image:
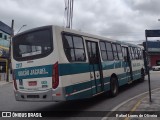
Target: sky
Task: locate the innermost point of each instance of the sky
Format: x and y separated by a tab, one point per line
124	20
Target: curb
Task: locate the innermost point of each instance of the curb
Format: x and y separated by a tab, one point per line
125	102
4	83
136	106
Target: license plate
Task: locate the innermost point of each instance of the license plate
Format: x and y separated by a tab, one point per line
32	83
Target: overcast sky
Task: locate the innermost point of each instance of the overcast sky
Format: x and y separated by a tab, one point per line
118	19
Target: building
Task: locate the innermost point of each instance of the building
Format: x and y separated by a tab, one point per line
153	52
5	36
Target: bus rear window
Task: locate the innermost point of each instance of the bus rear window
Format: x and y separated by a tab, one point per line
32	45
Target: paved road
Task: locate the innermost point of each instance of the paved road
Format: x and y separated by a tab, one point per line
99	103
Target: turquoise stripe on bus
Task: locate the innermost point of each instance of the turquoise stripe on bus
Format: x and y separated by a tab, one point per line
85	85
88	85
77	68
33	72
84	94
73	68
77	87
136	74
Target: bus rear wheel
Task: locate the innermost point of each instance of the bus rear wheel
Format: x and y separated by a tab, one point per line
113	87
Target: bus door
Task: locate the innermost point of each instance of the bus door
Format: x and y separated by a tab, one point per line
95	67
128	64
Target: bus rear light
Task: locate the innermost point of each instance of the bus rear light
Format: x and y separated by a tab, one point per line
55	76
58	94
14	81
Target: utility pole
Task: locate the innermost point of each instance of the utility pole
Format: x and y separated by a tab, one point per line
69	12
9	57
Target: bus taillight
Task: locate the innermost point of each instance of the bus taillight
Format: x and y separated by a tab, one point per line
14	80
55	76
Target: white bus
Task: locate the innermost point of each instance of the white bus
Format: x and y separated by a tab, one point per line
53	63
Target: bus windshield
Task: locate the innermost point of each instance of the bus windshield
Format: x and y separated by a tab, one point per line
32	45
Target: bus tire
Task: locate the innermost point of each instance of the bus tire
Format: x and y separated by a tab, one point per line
113	86
142	75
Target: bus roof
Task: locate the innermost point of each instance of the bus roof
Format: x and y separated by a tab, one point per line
83	34
95	36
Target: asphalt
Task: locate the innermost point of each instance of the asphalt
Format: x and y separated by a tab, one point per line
138	108
3	82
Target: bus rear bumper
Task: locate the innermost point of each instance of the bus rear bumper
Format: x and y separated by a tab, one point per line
45	96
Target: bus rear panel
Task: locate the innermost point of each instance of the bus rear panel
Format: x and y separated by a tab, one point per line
35	66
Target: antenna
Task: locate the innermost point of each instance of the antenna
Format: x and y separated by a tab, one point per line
69	13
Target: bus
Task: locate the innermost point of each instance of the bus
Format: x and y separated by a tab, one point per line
53	63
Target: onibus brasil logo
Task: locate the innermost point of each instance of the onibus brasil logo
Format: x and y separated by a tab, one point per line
21	114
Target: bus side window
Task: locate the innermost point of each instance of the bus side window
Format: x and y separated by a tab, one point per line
109	51
119	50
135	53
115	51
79	48
68	47
124	50
132	56
132	52
74	48
103	51
140	53
106	50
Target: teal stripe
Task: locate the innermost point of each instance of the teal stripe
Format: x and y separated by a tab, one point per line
82	95
106	80
68	69
88	93
77	68
77	87
108	65
73	68
123	81
33	72
107	87
136	74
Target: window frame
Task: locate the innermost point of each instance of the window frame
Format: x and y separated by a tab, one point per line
106	50
140	53
120	51
103	50
73	35
124	52
115	51
109	51
38	56
131	52
136	53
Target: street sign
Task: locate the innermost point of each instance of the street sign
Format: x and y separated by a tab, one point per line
152	33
